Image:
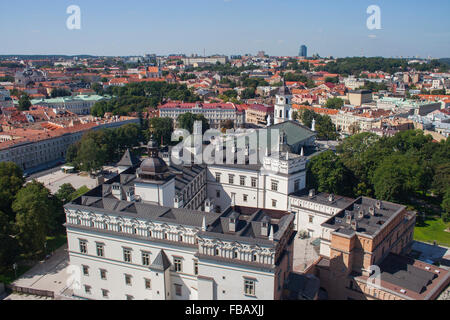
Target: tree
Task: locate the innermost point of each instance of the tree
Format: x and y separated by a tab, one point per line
441	179
248	93
79	192
186	121
398	177
354	128
98	88
326	173
90	156
59	92
24	103
334	103
162	129
9	247
446	206
65	193
35	216
325	128
306	117
11	180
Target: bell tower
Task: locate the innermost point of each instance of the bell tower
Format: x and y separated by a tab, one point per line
283	105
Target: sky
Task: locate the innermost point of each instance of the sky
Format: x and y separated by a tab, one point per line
335	28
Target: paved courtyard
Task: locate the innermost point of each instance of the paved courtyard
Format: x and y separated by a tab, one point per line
54	180
51	275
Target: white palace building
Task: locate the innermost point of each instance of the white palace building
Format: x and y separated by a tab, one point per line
160	230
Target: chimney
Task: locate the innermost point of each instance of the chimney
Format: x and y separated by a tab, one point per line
354	224
378	204
233	222
331	197
361	214
312	193
348	217
265	226
372	211
209	207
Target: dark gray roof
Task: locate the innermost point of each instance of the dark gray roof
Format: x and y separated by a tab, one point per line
161	262
324	198
128	160
368	224
401	272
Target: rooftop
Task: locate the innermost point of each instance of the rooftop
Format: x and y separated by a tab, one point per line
364	215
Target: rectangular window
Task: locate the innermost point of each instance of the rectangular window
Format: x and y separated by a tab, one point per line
87	289
103	274
311	219
274	203
129	297
178	264
242	180
245	197
148	284
83	246
253	182
128	280
178	289
218	175
195	267
218	193
249	287
126	255
85	270
100	249
274	185
145	258
105	293
231	178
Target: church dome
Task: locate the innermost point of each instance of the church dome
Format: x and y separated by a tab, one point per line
153	165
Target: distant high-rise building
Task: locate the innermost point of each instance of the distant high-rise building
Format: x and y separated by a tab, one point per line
303	51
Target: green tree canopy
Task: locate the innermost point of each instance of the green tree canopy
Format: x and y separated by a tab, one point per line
35	216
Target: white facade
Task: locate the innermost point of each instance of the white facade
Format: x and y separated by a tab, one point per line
283	108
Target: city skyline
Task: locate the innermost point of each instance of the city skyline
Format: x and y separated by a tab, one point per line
411	30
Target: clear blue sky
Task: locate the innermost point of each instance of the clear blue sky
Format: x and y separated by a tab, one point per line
279	27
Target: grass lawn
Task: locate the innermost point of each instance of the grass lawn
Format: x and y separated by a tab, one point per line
432	229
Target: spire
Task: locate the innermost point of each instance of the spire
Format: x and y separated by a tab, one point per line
271	233
204	223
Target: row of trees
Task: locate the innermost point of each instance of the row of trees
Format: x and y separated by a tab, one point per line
137	97
96	148
28	214
356	65
402	168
